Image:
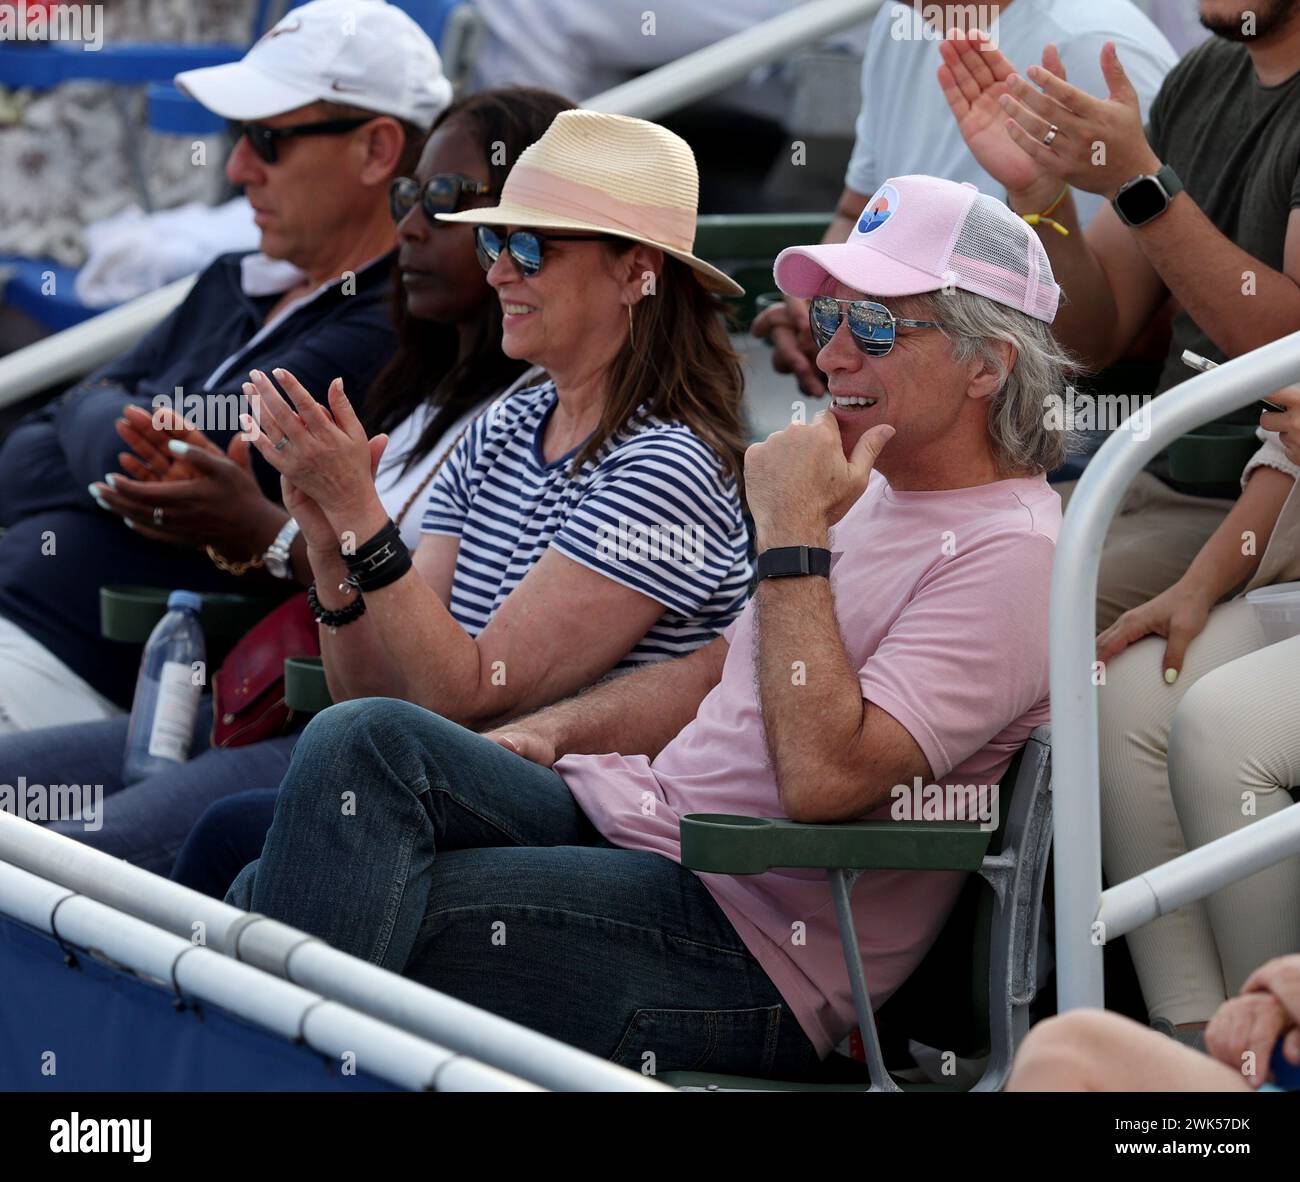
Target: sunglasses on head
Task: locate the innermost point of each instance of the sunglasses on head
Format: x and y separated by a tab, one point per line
265	141
872	326
439	194
526	247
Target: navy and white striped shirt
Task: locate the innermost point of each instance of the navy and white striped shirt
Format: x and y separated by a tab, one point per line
651	510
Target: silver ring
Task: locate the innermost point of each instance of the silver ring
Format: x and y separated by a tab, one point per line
284	442
1051	135
157	515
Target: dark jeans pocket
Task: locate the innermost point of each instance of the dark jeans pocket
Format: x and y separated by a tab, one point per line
737	1042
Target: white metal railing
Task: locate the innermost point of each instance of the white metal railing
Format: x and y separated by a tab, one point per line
328	1027
308	962
66	355
1080	903
77	350
1200	872
709	70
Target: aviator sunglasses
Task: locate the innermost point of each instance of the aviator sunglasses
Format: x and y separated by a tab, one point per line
265	141
439	194
872	326
526	247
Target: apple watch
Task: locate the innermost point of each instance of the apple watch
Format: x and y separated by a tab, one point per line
782	562
1145	198
276	558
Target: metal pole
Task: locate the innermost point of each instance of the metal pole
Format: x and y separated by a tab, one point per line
288	953
717	66
1077	820
78	350
1200	872
328	1027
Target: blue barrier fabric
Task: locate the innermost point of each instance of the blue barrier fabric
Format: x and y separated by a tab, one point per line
98	1027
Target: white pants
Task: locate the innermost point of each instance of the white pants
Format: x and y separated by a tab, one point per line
38	690
1186	763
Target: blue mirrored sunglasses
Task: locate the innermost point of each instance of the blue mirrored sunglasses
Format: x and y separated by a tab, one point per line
526	247
872	326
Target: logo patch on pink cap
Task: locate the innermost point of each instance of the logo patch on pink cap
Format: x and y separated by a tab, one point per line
879	209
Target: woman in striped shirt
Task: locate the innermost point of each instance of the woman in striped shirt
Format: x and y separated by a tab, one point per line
589	523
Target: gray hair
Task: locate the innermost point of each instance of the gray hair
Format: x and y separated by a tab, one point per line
1023	437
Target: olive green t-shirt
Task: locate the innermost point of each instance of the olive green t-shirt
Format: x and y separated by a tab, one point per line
1236	147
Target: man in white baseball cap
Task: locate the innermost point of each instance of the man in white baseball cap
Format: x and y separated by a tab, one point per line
330	106
331	103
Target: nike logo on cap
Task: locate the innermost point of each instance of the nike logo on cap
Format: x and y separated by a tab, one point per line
280	30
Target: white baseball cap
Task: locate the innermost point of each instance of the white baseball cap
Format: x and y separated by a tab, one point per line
362	53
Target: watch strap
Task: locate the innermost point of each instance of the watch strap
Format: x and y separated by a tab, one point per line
782	562
1169	180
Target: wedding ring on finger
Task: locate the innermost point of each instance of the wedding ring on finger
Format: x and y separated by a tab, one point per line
157	516
284	442
1052	132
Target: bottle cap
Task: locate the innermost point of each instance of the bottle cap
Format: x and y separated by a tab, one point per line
190	600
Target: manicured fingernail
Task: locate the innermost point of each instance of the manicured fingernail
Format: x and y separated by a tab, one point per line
176	446
1171	675
128	523
111	479
279	373
255	374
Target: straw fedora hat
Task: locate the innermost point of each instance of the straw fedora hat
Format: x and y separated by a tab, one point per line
606	174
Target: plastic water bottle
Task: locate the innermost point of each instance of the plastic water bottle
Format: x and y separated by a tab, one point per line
167	691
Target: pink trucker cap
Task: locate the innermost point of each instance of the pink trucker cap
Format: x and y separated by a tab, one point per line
920	234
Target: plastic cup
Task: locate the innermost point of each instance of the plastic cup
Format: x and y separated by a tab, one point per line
1278	610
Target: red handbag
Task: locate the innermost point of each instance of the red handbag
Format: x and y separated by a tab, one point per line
248	703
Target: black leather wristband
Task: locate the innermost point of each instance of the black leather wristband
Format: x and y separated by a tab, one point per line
783	562
381	560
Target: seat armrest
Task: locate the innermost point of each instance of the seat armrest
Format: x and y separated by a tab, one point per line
305	689
129	613
718	843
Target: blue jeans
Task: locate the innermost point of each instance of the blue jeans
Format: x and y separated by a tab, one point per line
146	822
422	847
224	840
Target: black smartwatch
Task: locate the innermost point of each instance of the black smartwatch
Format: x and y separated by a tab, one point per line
783	562
1145	198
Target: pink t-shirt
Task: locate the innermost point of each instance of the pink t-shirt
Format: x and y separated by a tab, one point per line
941	599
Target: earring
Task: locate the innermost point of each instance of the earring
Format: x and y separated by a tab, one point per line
631	328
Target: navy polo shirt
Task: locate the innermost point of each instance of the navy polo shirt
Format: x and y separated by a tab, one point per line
50	457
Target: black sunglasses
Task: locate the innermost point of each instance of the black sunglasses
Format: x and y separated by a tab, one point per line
439	194
265	140
872	326
526	247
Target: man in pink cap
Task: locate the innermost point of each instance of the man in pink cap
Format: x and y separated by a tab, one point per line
897	638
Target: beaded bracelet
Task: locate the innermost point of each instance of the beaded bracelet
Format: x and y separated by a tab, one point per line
334	619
